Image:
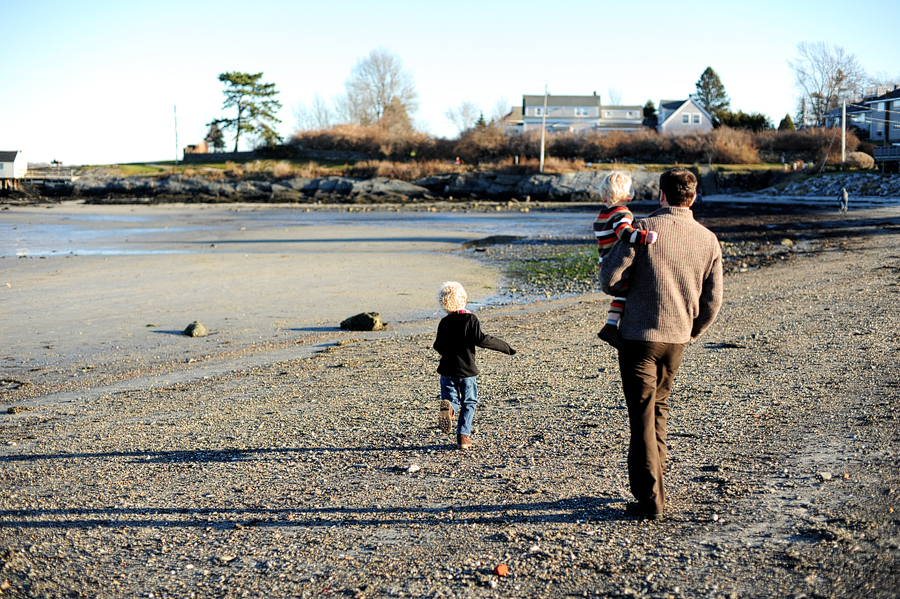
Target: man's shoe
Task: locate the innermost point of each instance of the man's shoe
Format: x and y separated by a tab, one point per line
611	335
445	417
639	511
464	441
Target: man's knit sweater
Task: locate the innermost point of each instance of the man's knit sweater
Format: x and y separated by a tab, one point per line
675	286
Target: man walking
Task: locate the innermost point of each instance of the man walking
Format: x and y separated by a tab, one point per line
675	292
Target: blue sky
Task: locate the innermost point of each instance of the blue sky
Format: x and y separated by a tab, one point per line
95	82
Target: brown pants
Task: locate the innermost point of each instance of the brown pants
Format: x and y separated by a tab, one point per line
648	370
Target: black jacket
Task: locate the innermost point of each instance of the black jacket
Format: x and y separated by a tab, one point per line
457	336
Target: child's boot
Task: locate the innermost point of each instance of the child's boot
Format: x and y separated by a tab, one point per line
445	417
610	334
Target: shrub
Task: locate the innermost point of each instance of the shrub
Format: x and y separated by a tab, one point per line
860	160
730	146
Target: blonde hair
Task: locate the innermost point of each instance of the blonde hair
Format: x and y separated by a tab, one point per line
452	296
616	188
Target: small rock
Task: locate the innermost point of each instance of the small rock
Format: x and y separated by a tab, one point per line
714	517
17	409
413	468
195	329
786	241
501	570
825	475
366	321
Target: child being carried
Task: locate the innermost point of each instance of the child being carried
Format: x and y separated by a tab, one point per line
614	224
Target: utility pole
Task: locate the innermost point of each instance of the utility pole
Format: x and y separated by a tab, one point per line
843	133
804	113
176	135
543	129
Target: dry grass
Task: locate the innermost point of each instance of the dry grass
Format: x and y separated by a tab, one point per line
405	171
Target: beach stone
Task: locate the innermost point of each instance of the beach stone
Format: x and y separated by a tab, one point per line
365	321
825	475
195	329
786	241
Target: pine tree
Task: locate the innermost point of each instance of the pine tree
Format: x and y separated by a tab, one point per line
786	124
256	107
711	94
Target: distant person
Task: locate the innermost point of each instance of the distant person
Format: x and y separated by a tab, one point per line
614	224
844	200
458	334
675	292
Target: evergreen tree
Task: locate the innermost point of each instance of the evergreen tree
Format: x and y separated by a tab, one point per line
711	94
256	107
651	117
786	124
480	123
215	138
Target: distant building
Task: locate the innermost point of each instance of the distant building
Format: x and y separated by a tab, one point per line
856	116
200	148
13	166
683	117
884	117
572	114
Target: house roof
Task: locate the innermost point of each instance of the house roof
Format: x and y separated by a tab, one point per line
852	108
8	156
891	95
671	104
514	115
677	106
561	100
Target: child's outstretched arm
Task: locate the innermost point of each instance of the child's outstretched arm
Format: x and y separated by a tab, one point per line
625	231
491	342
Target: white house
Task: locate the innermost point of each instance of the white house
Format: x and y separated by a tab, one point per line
683	117
13	166
574	114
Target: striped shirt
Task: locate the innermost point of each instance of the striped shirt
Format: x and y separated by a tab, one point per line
615	223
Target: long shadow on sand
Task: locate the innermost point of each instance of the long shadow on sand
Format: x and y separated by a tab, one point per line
243	516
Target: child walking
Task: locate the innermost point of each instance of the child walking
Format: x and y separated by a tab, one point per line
459	332
614	224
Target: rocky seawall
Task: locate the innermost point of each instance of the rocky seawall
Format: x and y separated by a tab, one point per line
861	184
569	187
579	186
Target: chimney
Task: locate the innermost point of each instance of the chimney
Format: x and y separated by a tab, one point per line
595	93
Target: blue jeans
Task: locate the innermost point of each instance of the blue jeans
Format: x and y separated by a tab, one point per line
462	393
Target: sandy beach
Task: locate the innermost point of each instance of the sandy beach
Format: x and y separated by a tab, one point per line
281	456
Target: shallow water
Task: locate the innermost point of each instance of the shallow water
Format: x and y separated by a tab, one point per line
252	231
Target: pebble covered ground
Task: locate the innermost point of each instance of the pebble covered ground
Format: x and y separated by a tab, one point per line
327	474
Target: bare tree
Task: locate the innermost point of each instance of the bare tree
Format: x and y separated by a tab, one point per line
375	82
464	116
882	79
615	96
826	74
318	115
501	109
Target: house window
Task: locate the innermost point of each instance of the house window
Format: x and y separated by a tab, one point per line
879	128
538	112
581	111
607	114
630	114
686	119
696	118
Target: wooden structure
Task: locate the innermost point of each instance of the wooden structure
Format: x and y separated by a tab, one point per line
13	167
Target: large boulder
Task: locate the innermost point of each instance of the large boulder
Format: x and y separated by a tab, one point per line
366	321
